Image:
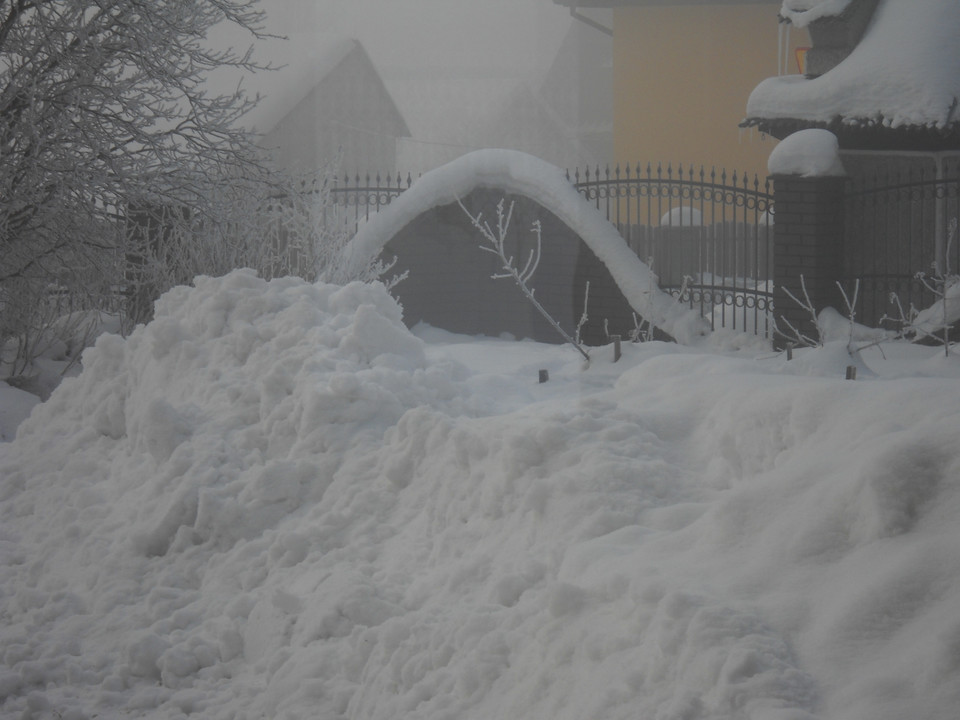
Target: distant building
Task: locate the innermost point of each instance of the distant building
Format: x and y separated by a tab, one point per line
682	72
326	104
578	88
563	116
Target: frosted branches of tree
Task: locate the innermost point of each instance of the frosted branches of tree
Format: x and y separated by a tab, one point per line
104	112
300	230
496	244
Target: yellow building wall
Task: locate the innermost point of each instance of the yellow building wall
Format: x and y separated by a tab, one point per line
682	76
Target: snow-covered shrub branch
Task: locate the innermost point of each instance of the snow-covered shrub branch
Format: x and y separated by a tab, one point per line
496	244
296	228
795	335
104	109
829	324
309	232
936	320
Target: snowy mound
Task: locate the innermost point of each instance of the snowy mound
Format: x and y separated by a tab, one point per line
274	501
808	153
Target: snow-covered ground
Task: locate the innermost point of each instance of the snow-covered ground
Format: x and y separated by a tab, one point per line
275	501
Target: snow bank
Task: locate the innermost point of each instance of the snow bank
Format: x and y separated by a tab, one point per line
808	153
518	173
15	405
903	72
275	501
944	312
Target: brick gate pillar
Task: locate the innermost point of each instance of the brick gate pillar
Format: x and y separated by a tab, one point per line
808	244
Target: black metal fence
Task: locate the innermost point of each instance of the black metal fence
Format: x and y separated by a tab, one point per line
708	235
363	196
900	222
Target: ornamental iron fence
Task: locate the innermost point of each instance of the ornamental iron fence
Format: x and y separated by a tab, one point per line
362	196
708	235
900	234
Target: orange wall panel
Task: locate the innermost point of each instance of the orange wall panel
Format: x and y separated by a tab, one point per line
682	76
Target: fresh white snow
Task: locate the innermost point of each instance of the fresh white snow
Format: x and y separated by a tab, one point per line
808	153
905	71
15	405
682	215
275	501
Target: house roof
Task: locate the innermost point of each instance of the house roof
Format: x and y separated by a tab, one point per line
305	60
801	13
901	81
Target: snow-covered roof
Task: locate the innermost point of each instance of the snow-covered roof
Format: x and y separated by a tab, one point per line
903	74
801	13
299	72
518	173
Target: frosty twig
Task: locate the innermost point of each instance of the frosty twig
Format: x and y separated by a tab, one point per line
496	245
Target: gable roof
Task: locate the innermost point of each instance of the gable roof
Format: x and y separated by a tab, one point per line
901	83
307	59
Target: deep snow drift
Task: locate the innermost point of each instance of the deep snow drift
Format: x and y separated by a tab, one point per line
275	501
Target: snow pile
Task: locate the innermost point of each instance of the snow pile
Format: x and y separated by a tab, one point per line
276	501
682	215
944	312
518	173
904	72
15	404
808	153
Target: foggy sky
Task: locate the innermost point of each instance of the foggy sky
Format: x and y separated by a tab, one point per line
500	36
410	42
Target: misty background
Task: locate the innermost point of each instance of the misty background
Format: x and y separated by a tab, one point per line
403	86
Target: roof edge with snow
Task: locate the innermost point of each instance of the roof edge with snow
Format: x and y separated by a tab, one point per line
898	88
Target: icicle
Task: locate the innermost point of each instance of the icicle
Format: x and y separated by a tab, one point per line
779	49
786	49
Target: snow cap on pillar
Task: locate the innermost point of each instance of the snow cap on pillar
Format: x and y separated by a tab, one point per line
807	153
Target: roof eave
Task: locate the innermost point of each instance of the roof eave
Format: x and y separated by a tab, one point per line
866	134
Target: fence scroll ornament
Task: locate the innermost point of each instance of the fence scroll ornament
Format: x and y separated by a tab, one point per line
708	235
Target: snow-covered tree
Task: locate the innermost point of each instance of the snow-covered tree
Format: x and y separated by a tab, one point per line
103	109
